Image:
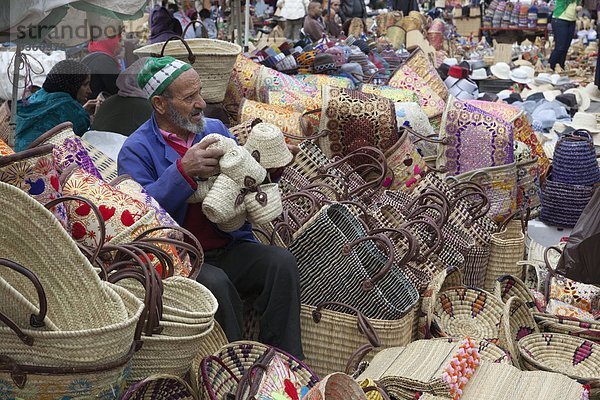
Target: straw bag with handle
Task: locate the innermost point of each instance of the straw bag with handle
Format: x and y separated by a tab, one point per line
507	249
212	59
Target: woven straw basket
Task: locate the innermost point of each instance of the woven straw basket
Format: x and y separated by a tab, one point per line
336	386
467	312
506	249
212	343
212	59
220	371
331	342
160	387
575	357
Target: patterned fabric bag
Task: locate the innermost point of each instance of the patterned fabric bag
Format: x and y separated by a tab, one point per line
296	100
286	119
528	182
420	63
406	78
5	150
320	80
270	80
33	171
121	213
68	149
476	139
405	163
389	92
242	85
354	120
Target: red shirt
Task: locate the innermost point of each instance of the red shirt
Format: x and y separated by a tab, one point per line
195	221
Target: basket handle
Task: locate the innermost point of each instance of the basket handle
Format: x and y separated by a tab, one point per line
363	324
316	187
206	380
191	23
356	358
413	245
342	181
97	214
551	271
197	252
164	258
433	206
439	242
442	141
190	237
36	321
249	380
315	206
191	56
368	284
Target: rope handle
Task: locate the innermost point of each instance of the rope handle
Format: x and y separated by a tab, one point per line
191	23
439	242
356	358
364	326
251	381
413	244
36	321
551	271
97	214
191	56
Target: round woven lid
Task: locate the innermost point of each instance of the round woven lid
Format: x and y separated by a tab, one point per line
267	145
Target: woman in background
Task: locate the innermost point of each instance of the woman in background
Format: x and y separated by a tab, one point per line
63	97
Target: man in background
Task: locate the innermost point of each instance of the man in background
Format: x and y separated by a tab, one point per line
314	26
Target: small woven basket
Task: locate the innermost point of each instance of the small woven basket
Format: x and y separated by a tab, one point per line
265	206
507	247
336	386
563	203
219	205
517	323
213	61
467	312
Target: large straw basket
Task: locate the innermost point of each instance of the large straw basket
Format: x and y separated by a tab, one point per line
463	311
212	59
96	377
506	249
330	338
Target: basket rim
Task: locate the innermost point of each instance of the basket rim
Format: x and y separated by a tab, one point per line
230	49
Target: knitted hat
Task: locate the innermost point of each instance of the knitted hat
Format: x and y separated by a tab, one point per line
158	73
324	62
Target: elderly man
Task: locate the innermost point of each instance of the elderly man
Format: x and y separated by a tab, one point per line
165	157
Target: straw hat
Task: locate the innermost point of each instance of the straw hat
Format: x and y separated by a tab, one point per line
592	91
224	143
267	145
523	63
583	99
220	205
547	90
587	121
239	165
500	70
521	75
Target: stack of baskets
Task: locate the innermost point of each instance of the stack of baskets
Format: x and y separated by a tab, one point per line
65	333
571	183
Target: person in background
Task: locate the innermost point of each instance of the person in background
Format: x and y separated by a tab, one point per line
163	25
104	65
563	28
353	9
314	26
63	97
333	21
127	110
183	20
294	12
166	157
209	23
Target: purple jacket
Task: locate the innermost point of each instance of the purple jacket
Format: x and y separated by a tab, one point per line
163	26
147	158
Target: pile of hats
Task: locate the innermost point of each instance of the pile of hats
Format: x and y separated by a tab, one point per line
459	85
239	192
281	58
571	183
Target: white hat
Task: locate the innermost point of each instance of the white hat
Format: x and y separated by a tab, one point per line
478	74
583	99
558	80
549	93
587	121
504	94
500	70
592	91
523	63
543	78
450	61
451	81
521	75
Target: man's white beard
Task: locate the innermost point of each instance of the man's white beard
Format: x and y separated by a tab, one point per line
183	123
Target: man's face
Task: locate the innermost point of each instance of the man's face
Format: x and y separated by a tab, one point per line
335	6
186	105
315	9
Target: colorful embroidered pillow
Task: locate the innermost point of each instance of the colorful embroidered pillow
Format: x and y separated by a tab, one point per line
406	78
476	139
354	120
557	307
389	92
320	80
581	295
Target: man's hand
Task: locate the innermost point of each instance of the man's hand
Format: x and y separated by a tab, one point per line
200	161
